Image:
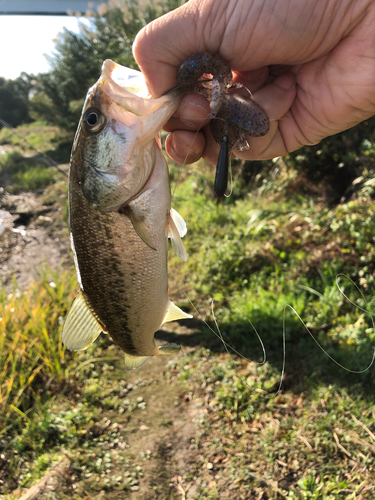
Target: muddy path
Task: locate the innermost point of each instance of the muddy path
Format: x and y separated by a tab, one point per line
151	450
33	235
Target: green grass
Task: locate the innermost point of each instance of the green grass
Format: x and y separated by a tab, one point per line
252	254
256	255
48	139
309	442
19	173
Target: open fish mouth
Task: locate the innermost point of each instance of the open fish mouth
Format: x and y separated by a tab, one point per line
125	86
124	78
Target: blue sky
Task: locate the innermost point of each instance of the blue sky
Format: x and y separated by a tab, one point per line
24	40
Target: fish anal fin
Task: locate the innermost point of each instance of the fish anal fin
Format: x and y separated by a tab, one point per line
134	362
169	348
81	327
174	234
174	313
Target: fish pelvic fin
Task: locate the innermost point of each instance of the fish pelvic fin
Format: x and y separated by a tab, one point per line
81	327
176	229
169	348
134	362
174	313
179	221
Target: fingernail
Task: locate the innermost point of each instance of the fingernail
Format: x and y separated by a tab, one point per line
253	76
286	81
192	113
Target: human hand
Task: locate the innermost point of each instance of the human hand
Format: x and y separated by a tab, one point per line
309	63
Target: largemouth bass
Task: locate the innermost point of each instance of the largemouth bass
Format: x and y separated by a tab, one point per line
120	217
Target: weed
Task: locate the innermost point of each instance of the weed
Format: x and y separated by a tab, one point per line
26	174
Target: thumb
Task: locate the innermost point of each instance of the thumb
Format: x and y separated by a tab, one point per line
164	44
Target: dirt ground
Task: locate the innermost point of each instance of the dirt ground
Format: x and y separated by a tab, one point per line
30	238
163	432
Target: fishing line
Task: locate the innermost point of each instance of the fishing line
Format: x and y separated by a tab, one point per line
349	300
52	162
264	351
228	346
217	334
322	348
287	306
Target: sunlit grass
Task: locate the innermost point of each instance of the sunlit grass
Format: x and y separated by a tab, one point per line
254	256
33	361
19	173
41	135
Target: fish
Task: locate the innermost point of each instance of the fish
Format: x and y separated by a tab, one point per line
120	218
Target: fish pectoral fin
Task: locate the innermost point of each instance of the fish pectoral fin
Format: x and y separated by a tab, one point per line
174	313
169	348
173	232
134	362
140	227
81	327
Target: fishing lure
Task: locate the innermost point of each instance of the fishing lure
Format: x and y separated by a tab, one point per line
237	117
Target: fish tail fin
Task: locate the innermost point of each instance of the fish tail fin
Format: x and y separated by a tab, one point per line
81	327
134	362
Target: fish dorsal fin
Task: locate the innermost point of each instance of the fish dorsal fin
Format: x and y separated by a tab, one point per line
175	228
134	362
81	328
174	313
169	348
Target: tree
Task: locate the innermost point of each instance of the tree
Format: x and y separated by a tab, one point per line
14	99
78	57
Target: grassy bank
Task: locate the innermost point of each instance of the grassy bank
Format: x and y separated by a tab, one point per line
205	423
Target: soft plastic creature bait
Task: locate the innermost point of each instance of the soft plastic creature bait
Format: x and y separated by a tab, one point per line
237	117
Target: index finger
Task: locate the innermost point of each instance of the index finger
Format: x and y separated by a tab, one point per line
161	46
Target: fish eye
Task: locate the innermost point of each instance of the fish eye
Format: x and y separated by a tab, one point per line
93	120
